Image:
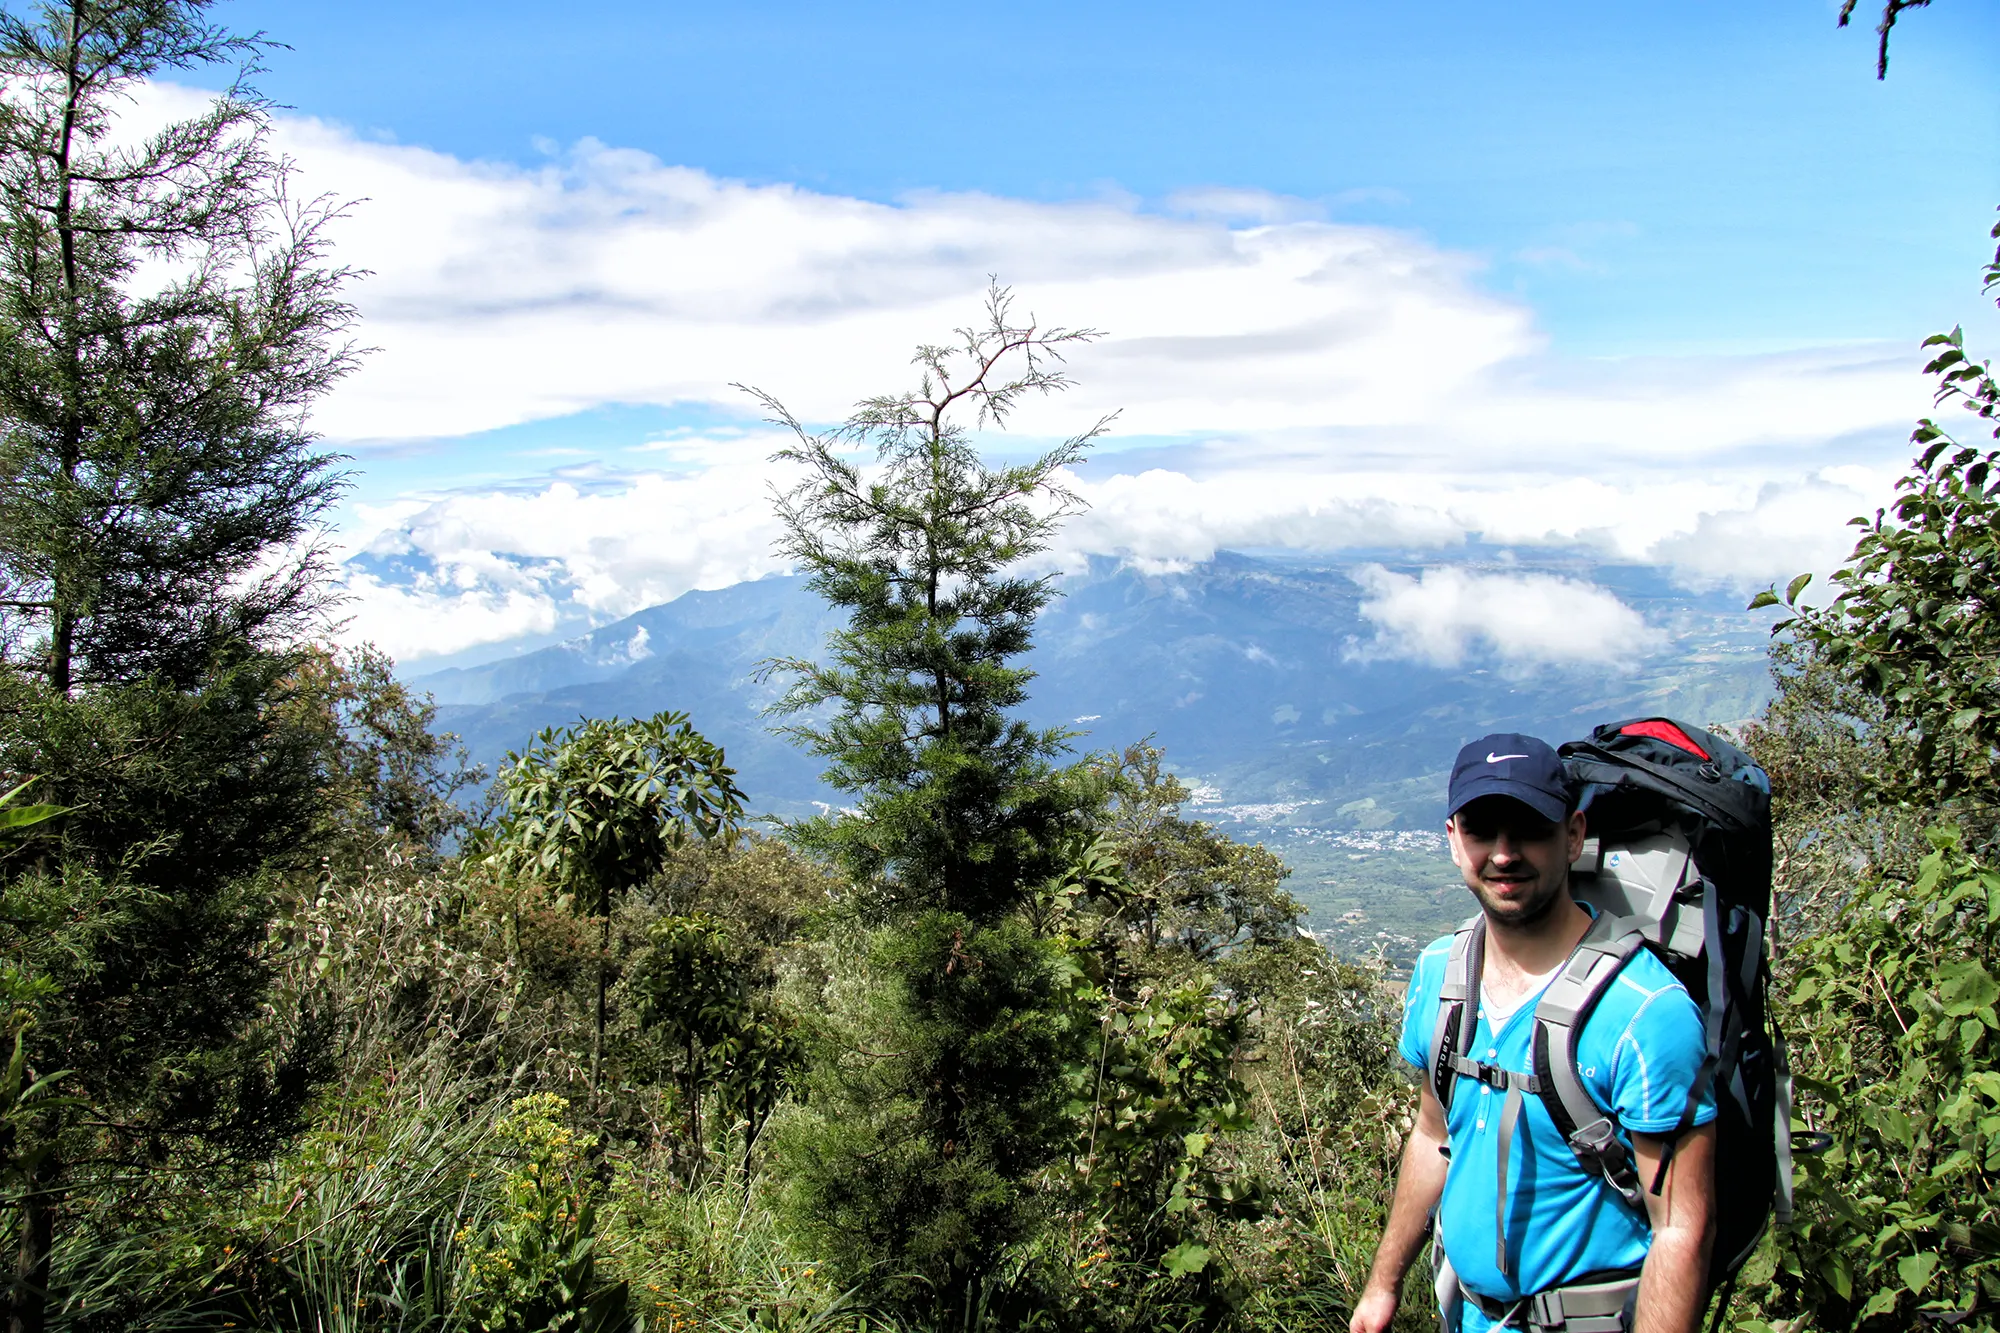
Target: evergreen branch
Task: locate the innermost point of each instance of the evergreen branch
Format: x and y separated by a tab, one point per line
1891	11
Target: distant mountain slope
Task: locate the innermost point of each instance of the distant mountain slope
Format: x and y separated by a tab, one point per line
1244	668
698	654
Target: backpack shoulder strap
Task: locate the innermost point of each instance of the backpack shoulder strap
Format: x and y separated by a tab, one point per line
1590	1130
1457	1020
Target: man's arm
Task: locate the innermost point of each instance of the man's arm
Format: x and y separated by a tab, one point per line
1419	1182
1674	1283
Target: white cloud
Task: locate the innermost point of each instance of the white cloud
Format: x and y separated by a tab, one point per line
445	574
1161	519
426	620
1240	205
1447	616
501	294
1315	384
1788	528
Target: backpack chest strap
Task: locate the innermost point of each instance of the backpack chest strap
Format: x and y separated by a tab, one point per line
1515	1084
1565	1006
1495	1077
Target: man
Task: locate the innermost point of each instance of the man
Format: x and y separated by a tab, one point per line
1548	1224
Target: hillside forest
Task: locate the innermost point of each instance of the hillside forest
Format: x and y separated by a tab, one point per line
309	1024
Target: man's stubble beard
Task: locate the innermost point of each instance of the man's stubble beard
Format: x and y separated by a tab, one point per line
1524	913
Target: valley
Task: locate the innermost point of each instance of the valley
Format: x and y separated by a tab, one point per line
1261	674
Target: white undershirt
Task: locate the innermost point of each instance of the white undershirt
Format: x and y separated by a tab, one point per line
1496	1016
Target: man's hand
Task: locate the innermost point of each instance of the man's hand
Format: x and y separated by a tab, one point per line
1673	1286
1419	1182
1374	1312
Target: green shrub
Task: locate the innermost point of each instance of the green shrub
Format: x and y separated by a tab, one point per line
1892	1016
535	1268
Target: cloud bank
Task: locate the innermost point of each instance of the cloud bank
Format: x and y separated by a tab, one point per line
1284	381
1521	621
448	574
500	295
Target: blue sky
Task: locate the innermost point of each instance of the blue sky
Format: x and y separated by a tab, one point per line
1650	176
1642	278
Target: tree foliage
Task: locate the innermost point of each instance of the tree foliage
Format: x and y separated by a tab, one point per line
1159	895
698	992
1891	11
935	1091
1913	622
1884	722
388	771
597	808
932	1108
133	929
167	317
922	552
1893	1017
1163	1101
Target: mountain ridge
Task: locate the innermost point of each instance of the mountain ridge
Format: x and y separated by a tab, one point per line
1258	673
1255	671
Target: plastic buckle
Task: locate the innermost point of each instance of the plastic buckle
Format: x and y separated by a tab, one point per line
1500	1079
1597	1139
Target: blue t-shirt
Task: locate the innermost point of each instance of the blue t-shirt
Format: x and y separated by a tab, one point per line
1638	1055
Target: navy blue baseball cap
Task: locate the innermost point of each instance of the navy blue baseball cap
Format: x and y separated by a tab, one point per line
1510	764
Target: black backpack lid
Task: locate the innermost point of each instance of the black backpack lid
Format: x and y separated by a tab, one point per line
1687	765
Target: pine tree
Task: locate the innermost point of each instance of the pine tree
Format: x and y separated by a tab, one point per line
910	1163
167	316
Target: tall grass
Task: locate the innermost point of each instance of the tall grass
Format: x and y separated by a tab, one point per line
365	1226
360	1226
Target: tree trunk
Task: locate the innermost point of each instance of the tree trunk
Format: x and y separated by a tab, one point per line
28	1301
694	1115
62	630
603	983
62	647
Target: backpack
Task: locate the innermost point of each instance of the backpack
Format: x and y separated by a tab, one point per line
1678	861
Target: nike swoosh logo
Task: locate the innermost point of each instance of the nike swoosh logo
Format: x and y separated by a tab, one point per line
1493	758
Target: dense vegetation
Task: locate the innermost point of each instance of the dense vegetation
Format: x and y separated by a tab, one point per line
302	1034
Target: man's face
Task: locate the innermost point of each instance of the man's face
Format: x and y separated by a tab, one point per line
1514	860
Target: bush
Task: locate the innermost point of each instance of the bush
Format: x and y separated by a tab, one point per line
535	1268
1892	1016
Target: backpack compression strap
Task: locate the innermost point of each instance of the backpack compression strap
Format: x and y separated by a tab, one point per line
1564	1008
